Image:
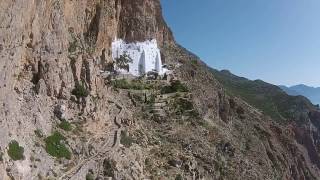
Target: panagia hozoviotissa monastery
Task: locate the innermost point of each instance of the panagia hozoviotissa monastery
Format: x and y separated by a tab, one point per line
145	55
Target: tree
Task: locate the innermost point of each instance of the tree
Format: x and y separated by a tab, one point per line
110	66
123	61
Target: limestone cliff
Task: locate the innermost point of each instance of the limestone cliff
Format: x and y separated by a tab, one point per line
60	118
48	48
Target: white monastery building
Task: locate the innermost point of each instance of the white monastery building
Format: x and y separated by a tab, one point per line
145	55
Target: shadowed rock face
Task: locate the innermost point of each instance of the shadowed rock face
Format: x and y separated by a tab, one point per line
141	20
314	138
51	55
315	118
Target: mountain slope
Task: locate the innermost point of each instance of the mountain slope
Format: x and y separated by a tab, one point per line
266	97
311	93
283	108
63	118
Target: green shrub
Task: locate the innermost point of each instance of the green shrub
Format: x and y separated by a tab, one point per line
15	151
80	91
1	156
121	84
89	176
167	90
55	148
151	99
182	105
38	133
194	62
123	61
109	167
125	139
178	177
72	46
110	66
147	162
194	113
135	84
65	125
185	104
175	86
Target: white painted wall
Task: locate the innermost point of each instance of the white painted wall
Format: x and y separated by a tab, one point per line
145	55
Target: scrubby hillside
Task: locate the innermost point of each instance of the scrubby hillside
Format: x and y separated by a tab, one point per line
269	98
63	118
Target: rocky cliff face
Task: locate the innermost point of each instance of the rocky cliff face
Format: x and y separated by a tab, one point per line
61	119
49	47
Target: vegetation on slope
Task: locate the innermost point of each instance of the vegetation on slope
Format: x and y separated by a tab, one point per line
125	139
133	84
80	91
270	99
55	147
175	86
65	125
15	151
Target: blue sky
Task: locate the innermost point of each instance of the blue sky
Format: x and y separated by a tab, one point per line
277	41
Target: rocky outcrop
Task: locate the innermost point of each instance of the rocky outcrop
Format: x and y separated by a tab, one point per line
141	20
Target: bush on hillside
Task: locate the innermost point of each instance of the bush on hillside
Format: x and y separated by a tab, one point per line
15	151
135	84
80	91
175	86
65	125
55	148
125	139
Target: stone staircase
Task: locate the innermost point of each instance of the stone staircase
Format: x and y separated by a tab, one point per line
113	137
157	109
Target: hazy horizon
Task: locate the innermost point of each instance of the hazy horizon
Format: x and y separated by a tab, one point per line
275	41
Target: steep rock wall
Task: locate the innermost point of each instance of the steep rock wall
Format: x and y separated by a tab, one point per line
46	49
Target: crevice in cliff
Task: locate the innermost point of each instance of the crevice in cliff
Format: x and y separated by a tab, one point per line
103	58
85	73
91	35
74	69
304	137
36	75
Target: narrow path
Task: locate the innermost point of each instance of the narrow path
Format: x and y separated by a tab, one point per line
111	143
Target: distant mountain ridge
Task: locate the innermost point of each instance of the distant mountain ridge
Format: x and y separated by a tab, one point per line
312	93
269	98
